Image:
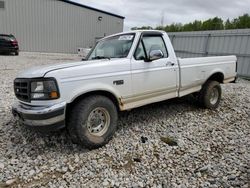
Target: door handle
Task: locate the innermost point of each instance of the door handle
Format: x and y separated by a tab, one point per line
169	63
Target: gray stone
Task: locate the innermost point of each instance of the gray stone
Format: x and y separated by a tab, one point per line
105	183
11	182
231	177
32	172
140	184
1	165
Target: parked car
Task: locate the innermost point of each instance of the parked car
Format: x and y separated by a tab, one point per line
122	72
8	44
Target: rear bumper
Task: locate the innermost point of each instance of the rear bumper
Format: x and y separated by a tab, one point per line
9	49
230	79
47	118
235	79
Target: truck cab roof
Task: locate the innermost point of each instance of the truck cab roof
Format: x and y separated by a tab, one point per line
153	32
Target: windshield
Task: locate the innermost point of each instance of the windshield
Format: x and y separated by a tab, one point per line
113	47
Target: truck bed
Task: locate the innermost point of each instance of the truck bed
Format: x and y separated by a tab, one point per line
195	71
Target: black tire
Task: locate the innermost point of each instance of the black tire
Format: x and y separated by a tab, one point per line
210	95
78	126
16	53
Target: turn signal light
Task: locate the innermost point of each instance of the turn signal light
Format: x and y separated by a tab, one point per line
54	95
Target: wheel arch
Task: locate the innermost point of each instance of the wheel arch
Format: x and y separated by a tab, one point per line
105	93
217	76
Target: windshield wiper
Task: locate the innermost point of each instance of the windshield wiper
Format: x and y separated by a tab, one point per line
101	57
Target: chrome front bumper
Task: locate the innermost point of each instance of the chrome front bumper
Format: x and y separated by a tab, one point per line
47	118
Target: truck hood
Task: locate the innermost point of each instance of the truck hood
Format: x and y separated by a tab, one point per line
40	71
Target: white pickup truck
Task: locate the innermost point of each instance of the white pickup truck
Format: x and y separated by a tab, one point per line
122	72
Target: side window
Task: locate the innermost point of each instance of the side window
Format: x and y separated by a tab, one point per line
140	53
154	43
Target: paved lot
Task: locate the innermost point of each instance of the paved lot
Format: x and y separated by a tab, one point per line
212	146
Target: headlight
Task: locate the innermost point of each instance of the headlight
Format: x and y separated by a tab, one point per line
44	90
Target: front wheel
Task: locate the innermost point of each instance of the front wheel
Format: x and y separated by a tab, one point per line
92	121
210	95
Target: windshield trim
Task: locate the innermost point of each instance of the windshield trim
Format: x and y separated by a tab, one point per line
107	38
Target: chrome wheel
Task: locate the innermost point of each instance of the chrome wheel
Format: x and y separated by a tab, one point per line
214	96
98	121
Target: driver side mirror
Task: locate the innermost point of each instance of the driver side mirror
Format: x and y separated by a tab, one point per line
155	54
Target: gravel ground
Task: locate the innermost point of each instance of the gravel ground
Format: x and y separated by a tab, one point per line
205	148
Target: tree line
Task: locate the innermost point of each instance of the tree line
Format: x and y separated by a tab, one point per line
215	23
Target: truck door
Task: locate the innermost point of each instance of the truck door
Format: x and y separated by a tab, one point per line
155	80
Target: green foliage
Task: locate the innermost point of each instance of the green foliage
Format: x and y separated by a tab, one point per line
215	23
241	22
229	25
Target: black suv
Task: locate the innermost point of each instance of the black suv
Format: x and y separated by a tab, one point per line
8	44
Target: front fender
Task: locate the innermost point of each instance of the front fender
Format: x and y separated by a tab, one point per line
91	88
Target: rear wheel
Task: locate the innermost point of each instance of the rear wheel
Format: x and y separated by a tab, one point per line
210	95
16	53
92	122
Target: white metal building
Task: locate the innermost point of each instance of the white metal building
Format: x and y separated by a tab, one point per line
56	25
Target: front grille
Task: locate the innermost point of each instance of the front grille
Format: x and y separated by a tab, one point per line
22	89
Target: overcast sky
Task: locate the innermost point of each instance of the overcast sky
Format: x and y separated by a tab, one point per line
150	12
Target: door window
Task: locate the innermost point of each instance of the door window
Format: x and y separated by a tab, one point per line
154	43
149	43
140	53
